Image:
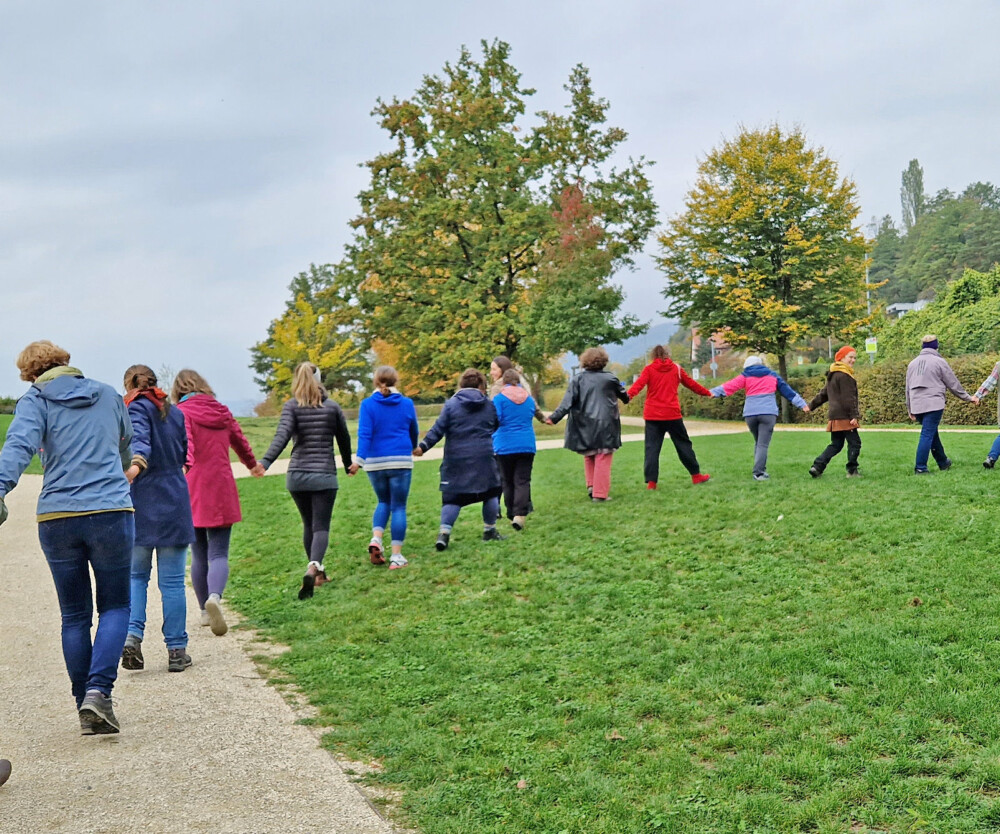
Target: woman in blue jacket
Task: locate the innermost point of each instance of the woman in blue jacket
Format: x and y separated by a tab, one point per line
387	433
83	434
514	446
160	456
469	473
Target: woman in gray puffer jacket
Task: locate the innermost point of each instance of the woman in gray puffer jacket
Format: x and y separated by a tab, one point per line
594	428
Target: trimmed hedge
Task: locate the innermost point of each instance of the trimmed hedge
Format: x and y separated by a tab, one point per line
881	389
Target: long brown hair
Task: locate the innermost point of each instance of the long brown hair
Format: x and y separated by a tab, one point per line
189	382
385	378
306	389
142	378
659	352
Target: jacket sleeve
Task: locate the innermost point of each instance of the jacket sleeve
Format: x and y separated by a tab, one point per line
343	436
952	384
909	410
189	448
414	425
567	401
240	444
640	383
990	382
693	384
286	427
438	430
790	394
852	392
24	437
727	389
142	447
366	430
498	408
822	397
127	432
620	391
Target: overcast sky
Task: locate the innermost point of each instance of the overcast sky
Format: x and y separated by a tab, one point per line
167	167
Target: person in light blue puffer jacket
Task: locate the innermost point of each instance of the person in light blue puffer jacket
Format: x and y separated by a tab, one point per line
761	407
83	434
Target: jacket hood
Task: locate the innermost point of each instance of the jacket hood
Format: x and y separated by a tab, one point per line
67	387
394	398
472	399
663	365
207	411
758	370
515	393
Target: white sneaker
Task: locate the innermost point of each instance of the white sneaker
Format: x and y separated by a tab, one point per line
397	561
216	620
204	618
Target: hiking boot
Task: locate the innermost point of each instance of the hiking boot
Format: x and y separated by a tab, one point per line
376	551
177	660
944	467
4	771
699	479
132	653
517	522
442	542
493	535
815	471
989	463
96	715
216	619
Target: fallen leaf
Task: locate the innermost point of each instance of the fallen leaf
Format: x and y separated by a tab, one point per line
615	736
916	601
522	785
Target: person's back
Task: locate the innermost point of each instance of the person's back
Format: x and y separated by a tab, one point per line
315	428
387	431
515	411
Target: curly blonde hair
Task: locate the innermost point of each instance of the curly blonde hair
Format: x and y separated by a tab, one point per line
594	359
39	357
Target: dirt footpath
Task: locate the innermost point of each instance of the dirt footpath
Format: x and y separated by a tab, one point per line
213	749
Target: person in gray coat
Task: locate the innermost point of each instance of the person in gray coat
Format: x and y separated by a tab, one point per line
928	377
594	428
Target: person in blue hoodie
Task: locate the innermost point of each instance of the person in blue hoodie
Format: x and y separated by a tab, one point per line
761	407
469	473
83	434
387	434
514	446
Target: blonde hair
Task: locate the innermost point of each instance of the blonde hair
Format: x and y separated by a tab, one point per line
189	382
39	357
385	378
594	359
305	388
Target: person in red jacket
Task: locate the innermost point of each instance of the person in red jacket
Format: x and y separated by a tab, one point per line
662	413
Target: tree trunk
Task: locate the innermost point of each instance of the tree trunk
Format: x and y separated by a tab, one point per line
785	405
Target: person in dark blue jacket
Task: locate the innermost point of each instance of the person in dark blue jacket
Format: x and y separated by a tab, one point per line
469	473
160	455
514	446
83	435
387	434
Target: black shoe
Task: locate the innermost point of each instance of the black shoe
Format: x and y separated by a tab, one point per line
493	535
921	471
308	585
442	542
177	660
4	771
855	474
132	653
945	466
989	463
96	715
815	471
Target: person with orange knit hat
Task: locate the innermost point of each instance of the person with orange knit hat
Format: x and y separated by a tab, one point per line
841	392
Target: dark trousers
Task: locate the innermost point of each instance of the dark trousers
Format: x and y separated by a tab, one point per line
837	439
515	475
315	507
655	429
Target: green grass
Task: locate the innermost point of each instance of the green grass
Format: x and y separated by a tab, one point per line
795	655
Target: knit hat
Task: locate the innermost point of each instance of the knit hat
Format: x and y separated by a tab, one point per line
930	342
840	354
753	360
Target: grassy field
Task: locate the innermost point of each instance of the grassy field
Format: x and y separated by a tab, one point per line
794	655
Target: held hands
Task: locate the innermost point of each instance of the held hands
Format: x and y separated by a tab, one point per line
132	473
353	468
854	422
548	421
805	408
975	400
418	452
258	470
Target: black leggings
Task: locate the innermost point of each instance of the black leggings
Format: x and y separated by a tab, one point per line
315	507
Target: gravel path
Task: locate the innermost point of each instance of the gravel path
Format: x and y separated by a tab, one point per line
213	749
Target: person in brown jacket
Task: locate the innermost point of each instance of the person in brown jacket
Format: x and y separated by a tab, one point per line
841	392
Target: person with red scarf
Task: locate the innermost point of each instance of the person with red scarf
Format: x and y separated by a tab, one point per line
662	413
161	453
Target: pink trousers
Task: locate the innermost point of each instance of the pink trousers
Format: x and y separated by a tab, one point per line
597	470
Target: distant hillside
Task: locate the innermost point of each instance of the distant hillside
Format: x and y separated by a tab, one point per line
658	334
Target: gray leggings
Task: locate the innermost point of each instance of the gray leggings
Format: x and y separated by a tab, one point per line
761	427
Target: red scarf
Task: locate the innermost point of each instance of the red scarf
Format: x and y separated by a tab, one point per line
154	395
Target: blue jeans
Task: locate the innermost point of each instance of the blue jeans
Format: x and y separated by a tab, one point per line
930	440
392	488
995	449
170	564
72	546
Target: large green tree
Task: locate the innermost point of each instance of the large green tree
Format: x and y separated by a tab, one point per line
767	250
480	233
911	194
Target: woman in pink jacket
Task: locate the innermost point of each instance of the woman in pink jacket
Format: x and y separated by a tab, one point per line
215	504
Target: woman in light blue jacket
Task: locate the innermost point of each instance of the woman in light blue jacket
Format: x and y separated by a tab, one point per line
514	446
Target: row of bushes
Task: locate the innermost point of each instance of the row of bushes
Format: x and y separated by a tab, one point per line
881	390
